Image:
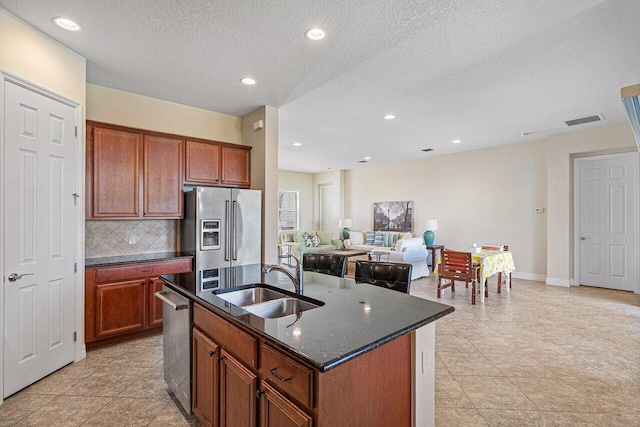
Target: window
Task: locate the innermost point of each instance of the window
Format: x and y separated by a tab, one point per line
288	210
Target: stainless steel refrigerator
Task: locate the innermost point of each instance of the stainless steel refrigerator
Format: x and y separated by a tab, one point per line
222	228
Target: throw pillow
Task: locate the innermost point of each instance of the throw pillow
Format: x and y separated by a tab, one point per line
298	238
370	237
311	240
407	236
324	236
356	237
378	239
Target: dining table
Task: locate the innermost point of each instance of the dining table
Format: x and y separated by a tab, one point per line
491	262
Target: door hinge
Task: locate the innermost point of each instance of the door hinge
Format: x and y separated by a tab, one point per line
75	267
75	131
75	336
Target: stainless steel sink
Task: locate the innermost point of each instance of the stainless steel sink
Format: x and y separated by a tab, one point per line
280	307
250	296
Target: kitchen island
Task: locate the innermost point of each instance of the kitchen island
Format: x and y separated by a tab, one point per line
364	356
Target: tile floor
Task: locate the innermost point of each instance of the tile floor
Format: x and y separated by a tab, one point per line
542	356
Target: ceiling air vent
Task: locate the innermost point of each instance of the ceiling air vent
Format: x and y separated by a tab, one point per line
427	149
363	161
584	120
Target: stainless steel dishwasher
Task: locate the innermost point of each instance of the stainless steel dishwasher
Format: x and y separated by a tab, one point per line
176	336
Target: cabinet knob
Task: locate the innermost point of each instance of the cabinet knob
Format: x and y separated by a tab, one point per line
211	353
259	393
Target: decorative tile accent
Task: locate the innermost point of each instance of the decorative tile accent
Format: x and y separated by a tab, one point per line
115	238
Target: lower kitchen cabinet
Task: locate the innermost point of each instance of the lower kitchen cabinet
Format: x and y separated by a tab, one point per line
120	307
238	387
205	379
240	393
120	302
155	305
277	411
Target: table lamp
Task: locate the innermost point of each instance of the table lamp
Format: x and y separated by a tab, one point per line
344	225
430	225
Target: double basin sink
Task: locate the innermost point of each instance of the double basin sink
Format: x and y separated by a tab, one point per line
266	301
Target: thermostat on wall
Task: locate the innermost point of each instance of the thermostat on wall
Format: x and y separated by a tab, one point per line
259	125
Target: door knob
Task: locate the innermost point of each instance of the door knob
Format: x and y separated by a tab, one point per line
14	276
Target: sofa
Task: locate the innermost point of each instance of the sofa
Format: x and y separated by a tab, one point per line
406	249
295	244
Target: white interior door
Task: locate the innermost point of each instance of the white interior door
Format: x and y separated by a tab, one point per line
40	236
326	207
607	220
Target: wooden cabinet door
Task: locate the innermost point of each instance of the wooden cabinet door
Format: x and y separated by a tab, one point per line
154	304
235	167
278	411
205	379
120	307
116	173
202	165
162	177
238	386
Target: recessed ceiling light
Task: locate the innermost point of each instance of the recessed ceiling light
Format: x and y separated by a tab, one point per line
314	34
248	81
456	141
367	158
66	23
296	144
389	117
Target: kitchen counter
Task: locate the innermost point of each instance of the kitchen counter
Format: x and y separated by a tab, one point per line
354	319
133	259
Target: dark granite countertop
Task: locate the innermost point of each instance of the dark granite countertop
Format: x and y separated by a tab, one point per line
354	319
132	259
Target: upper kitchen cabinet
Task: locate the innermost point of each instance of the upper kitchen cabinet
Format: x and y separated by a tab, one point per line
217	164
132	174
235	167
202	163
113	161
162	177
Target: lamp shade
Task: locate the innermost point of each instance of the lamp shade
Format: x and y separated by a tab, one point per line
345	223
430	224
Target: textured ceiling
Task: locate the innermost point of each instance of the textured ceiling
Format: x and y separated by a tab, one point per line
483	72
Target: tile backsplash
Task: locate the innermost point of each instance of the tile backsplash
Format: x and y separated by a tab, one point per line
115	238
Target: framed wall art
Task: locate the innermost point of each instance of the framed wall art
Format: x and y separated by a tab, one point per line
393	216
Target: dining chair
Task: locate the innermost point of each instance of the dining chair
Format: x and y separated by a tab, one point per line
334	265
391	275
457	266
498	248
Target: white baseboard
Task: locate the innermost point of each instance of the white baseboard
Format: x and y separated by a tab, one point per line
559	282
528	276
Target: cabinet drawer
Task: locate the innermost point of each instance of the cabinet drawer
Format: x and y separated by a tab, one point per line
287	375
234	340
151	269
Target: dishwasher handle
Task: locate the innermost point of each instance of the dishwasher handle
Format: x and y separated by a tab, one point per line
162	295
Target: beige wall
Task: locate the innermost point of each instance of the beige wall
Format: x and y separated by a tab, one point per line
31	55
264	173
561	149
336	179
489	196
129	109
482	196
303	183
